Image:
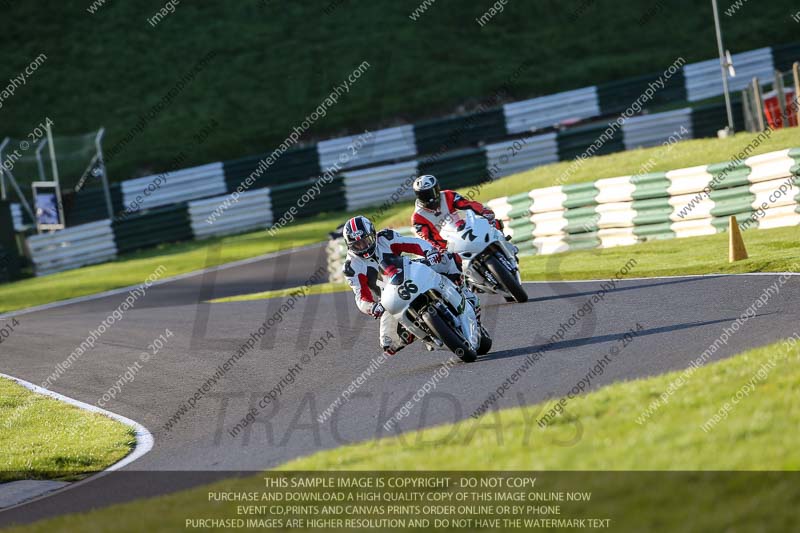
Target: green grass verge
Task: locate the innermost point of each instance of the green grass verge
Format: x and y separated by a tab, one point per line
279	60
322	288
43	438
770	250
753	437
602	433
187	257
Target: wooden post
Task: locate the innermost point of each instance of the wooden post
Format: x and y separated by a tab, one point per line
759	104
796	100
781	94
748	112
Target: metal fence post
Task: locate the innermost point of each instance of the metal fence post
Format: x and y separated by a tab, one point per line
98	142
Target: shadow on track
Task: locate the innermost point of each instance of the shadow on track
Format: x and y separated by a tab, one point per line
574	343
618	289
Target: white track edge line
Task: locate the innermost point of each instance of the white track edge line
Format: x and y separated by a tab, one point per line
144	439
122	290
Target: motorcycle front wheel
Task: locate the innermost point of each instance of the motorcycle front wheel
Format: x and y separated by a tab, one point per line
454	342
507	279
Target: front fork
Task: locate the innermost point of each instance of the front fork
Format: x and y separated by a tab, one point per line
501	252
442	308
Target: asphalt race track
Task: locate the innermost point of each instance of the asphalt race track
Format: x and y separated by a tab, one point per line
679	318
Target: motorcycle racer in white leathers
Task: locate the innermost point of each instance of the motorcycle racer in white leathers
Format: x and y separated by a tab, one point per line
366	249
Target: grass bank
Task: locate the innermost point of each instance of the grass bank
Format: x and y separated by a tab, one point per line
276	61
43	438
596	432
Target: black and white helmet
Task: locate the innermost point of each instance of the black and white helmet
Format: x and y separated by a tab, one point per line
428	191
360	236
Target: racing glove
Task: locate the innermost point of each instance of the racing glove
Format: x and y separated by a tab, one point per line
377	310
488	214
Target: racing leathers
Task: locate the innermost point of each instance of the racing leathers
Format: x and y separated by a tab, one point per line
365	278
428	223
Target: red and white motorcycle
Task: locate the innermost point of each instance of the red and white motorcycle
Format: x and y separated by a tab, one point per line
489	260
431	307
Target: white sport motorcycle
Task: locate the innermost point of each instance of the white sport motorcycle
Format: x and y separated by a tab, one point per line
431	307
489	260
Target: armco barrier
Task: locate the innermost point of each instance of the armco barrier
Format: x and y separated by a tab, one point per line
383	146
267	171
16	216
547	111
616	96
510	157
459	168
307	198
658	128
785	55
73	247
153	227
708	119
253	210
575	142
452	132
89	204
173	187
9	252
373	185
704	79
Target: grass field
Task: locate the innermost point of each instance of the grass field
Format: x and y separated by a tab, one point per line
110	67
597	431
611	437
186	257
43	438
